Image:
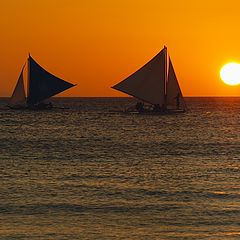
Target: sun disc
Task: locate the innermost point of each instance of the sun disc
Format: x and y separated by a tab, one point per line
230	73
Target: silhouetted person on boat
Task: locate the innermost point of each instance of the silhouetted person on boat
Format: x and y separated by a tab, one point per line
163	108
157	108
177	100
139	107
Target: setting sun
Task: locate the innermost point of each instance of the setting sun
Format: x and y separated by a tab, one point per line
230	73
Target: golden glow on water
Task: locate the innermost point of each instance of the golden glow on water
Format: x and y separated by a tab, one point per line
88	173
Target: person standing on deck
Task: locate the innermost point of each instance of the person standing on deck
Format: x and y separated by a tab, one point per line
177	100
139	107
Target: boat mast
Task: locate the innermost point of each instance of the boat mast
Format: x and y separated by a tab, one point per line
165	77
28	75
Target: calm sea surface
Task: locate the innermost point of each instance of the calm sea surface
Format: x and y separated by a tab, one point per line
88	173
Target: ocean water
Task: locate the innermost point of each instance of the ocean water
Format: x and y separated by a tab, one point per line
87	172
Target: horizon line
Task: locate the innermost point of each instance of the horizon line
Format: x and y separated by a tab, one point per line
203	96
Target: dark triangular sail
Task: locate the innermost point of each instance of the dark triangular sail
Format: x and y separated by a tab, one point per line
42	84
147	83
18	97
174	94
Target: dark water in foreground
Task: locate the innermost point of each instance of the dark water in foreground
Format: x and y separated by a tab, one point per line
86	173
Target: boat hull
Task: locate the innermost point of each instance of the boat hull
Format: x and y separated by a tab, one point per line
40	106
17	107
36	107
168	112
150	112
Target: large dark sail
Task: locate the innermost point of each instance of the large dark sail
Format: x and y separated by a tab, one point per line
42	84
147	83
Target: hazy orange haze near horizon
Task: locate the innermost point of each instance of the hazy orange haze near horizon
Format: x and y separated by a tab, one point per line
98	43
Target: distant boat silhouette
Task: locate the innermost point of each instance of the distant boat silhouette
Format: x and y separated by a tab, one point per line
156	84
41	86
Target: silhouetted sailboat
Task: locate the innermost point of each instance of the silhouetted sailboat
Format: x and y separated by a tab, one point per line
41	86
155	83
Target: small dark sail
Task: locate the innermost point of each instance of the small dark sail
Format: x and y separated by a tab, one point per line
18	97
42	84
174	94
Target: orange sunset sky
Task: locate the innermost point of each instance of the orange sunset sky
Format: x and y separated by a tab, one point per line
97	43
